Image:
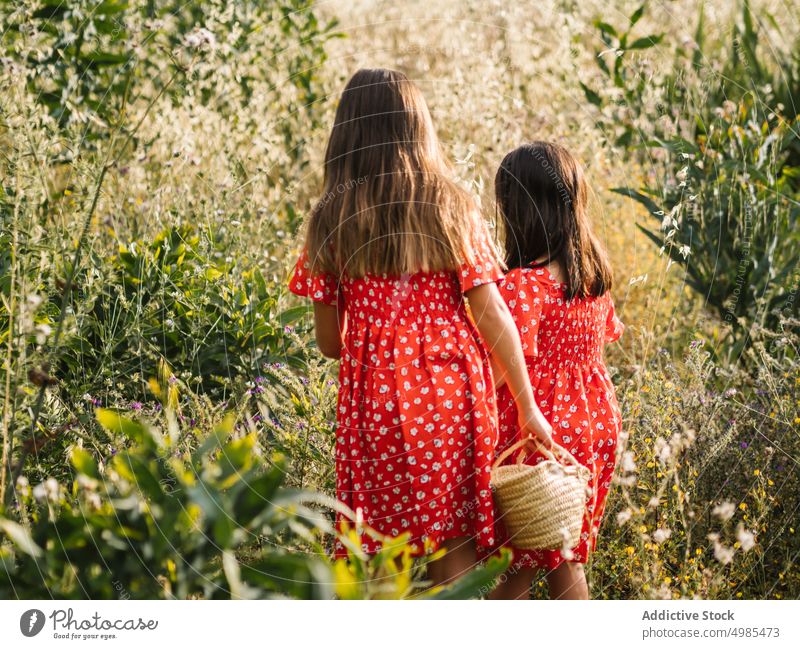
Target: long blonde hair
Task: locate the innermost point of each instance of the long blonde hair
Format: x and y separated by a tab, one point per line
389	204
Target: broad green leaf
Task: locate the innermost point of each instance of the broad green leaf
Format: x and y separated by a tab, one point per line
478	582
84	463
115	423
645	42
20	537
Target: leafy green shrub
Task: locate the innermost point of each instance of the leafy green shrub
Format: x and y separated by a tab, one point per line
180	297
725	149
160	521
297	411
728	216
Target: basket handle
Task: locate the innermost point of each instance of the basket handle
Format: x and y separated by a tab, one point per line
520	444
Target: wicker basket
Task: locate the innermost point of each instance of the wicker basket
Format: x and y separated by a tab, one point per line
542	506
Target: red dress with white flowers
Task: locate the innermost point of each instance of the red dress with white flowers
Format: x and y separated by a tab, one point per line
416	418
563	343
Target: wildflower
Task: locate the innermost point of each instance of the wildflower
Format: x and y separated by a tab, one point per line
663	450
200	39
42	332
49	490
724	511
745	538
661	535
87	483
628	465
722	553
33	301
624	516
93	500
23	486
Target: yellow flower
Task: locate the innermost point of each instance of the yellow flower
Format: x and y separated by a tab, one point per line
756	472
742	506
630	550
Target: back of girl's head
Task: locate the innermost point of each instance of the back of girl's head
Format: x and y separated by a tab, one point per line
541	198
388	203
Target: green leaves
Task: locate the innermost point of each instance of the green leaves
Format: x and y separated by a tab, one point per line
646	42
84	463
133	431
20	537
478	582
221	533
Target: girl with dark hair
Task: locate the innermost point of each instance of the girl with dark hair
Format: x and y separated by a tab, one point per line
557	288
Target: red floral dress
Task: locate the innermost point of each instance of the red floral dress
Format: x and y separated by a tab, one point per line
563	343
417	418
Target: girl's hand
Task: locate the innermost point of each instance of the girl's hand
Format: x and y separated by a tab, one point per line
533	424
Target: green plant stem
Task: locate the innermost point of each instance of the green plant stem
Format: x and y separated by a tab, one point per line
12	300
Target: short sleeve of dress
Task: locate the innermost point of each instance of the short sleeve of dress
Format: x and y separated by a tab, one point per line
614	326
524	297
320	287
483	269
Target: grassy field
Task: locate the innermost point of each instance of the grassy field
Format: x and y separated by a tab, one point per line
158	159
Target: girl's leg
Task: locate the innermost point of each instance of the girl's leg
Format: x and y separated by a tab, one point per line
461	557
568	581
514	584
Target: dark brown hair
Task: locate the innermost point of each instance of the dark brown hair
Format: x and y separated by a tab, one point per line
541	199
389	202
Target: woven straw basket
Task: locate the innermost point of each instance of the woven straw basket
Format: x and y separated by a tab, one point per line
543	505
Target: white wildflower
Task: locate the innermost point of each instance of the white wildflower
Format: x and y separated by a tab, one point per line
724	511
42	332
661	534
200	39
93	500
663	450
33	301
23	486
722	553
85	482
624	516
628	464
745	538
40	492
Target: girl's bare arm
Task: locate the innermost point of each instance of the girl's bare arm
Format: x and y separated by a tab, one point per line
329	327
501	337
